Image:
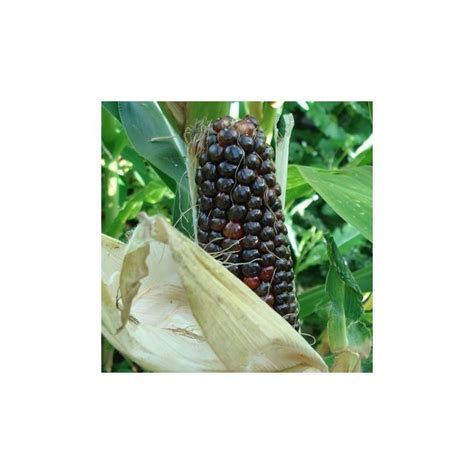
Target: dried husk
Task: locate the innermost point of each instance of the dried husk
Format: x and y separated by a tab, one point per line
192	314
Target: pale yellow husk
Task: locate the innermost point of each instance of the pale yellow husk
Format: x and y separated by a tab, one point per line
182	311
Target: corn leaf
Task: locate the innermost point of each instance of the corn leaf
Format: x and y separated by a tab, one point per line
347	191
158	142
345	298
315	298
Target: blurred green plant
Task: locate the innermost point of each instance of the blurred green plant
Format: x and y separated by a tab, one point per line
328	194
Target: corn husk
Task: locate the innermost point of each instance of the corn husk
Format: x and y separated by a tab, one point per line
181	311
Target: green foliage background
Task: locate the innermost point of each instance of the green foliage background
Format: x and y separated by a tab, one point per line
330	151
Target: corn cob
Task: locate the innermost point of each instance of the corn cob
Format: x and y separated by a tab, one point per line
240	215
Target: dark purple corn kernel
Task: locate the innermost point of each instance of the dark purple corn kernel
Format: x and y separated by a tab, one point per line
280	227
267	167
270	197
241	194
219	213
212	248
209	188
282	252
255	202
209	171
253	161
279	215
233	154
279	277
280	239
254	215
277	189
223	122
231	257
227	136
280	287
202	236
203	221
250	254
252	228
280	264
270	179
205	203
199	177
231	245
268	219
267	247
251	269
263	289
226	169
237	212
282	308
223	201
211	139
268	259
282	298
276	206
250	241
202	159
217	224
215	237
234	269
224	185
246	176
246	143
268	233
268	154
259	145
259	186
214	153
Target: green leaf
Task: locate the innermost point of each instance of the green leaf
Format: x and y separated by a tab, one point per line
205	111
347	191
345	237
151	193
112	107
114	137
345	298
140	170
157	141
337	336
296	186
360	338
316	298
362	159
154	138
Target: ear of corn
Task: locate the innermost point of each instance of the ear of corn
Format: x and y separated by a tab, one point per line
240	215
190	313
